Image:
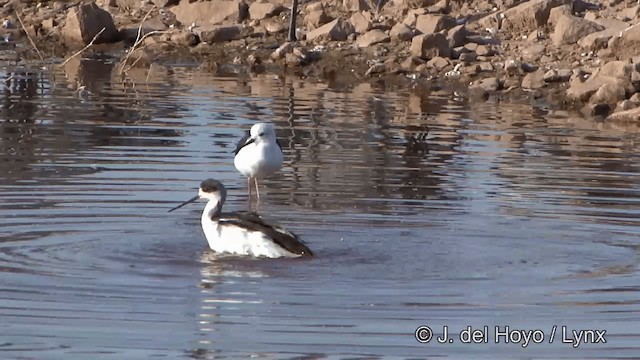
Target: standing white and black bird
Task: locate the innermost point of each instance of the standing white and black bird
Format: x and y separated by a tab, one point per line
258	154
242	233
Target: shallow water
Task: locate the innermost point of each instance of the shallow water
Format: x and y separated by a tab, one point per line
422	209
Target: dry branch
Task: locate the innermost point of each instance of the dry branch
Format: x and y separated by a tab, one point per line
29	36
84	48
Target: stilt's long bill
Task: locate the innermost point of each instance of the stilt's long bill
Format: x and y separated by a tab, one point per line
242	233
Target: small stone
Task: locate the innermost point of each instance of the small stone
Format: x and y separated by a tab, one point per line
554	75
625	105
534	80
438	63
483	50
468	57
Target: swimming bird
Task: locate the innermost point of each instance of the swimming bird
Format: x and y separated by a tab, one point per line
258	154
242	233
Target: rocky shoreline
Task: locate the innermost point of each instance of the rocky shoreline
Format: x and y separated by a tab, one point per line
572	53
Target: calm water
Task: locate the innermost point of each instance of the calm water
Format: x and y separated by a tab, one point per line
422	208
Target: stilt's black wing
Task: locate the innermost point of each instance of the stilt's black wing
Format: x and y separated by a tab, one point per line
279	145
242	141
281	236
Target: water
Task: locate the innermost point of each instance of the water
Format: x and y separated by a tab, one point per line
422	209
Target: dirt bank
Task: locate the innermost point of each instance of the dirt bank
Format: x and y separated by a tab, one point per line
573	53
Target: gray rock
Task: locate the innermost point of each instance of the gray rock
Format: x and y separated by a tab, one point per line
84	22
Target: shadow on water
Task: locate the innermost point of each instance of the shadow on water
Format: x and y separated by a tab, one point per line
423	209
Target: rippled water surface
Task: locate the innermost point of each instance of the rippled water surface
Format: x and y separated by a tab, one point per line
422	209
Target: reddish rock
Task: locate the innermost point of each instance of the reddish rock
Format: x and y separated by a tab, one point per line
361	22
273	26
429	24
428	46
372	37
534	80
457	36
632	115
259	11
438	63
316	18
570	29
220	33
355	5
401	32
85	22
337	30
529	15
211	12
557	12
561	75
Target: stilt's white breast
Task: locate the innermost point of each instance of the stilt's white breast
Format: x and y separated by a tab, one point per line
259	159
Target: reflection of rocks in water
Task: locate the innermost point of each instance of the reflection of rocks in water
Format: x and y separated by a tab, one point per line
20	88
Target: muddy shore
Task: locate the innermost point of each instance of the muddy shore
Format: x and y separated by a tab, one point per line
572	54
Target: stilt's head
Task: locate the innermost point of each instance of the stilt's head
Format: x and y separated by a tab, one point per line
263	132
210	189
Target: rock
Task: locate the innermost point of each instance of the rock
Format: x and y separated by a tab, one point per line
529	15
534	80
635	98
582	91
486	67
468	57
428	46
484	88
632	115
456	52
628	44
361	22
482	50
570	29
457	36
184	38
412	16
629	13
372	37
429	24
211	12
261	11
554	75
512	66
441	7
273	26
557	12
599	39
316	18
355	5
528	68
625	105
165	3
619	69
533	53
337	30
438	63
401	31
282	50
85	22
220	33
130	34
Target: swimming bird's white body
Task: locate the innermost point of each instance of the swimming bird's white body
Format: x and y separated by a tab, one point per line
243	233
238	240
258	154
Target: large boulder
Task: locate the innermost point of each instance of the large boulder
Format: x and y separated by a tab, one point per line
570	29
372	37
428	46
221	33
529	15
337	30
429	23
261	10
85	21
211	12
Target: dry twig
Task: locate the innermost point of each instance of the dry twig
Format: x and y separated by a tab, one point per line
29	37
84	48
